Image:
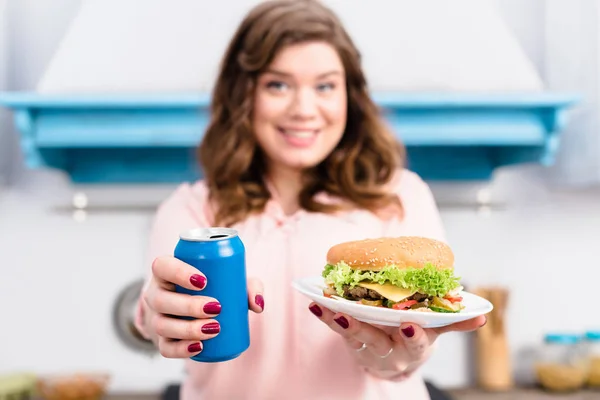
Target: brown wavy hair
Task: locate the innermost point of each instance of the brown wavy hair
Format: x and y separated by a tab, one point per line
357	171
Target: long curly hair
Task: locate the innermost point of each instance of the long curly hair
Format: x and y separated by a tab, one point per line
357	171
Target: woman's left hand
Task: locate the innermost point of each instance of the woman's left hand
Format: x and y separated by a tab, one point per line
387	352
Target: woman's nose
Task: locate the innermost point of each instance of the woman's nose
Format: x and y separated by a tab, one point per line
304	104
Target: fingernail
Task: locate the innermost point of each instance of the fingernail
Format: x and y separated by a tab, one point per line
343	322
198	280
195	347
212	308
211	328
409	331
484	322
315	309
260	301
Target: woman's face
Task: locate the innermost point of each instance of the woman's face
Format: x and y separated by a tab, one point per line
300	106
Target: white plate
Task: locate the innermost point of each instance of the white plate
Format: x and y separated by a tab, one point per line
312	287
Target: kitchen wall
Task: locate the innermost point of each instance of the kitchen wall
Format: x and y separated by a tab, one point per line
4	117
62	271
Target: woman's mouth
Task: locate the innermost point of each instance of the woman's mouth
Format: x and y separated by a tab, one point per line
299	137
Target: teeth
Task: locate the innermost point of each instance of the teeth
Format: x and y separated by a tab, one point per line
298	134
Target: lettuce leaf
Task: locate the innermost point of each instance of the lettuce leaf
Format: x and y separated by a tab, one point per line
427	280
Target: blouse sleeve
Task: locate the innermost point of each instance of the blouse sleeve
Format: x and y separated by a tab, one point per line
421	214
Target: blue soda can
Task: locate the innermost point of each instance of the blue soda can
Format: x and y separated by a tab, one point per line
220	255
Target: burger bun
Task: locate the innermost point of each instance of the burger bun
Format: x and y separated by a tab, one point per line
403	252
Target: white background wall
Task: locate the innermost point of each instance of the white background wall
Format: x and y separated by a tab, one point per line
60	276
4	133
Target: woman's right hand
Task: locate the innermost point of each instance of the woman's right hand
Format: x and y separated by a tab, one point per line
176	337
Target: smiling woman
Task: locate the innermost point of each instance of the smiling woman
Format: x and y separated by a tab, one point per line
293	100
296	159
300	106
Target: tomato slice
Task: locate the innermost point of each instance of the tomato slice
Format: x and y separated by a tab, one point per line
454	299
403	305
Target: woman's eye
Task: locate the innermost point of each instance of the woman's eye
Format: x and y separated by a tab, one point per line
277	86
325	87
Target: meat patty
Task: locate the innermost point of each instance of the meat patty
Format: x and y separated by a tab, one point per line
419	297
359	292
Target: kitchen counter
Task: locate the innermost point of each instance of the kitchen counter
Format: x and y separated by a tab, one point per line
125	397
457	394
134	397
522	394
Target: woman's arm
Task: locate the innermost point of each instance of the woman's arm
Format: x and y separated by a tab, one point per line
389	353
421	214
182	210
396	353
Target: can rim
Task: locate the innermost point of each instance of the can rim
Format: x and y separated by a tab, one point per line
208	234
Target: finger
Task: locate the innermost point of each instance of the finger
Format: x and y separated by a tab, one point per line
256	300
326	316
175	328
170	270
172	303
357	332
179	348
415	339
463	326
376	340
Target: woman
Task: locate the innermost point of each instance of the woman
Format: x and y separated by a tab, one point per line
296	158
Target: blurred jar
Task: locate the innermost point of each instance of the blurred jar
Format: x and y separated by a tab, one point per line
592	341
561	363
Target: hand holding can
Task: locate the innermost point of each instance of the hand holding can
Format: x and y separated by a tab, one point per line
220	256
202	314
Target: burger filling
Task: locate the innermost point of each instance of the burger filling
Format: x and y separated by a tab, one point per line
422	289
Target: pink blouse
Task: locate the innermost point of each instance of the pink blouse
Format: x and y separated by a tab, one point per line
292	354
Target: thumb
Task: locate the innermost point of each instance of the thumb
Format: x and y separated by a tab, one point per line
415	339
256	301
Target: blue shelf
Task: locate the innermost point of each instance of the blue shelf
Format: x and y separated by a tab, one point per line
152	138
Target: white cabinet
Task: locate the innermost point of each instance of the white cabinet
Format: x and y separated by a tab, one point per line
572	63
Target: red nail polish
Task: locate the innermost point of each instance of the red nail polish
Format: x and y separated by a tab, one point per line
342	321
409	331
198	280
195	347
260	301
211	328
315	309
212	308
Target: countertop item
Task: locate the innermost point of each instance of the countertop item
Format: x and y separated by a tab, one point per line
522	394
561	364
592	348
457	394
125	396
16	386
494	369
76	386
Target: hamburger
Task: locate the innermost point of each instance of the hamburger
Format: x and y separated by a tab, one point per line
402	273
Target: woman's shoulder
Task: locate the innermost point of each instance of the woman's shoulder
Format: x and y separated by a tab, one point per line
190	198
408	184
186	193
420	210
